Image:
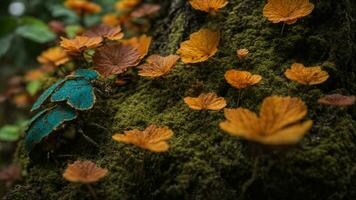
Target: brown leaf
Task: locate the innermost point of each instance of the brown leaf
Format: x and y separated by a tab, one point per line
209	101
115	58
10	175
337	100
157	65
105	31
146	10
306	75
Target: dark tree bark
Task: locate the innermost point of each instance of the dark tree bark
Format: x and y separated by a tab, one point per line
203	161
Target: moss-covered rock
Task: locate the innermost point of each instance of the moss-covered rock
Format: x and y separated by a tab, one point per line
203	161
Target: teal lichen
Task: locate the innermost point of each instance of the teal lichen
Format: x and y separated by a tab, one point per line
203	161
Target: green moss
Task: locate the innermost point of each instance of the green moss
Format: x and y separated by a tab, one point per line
203	161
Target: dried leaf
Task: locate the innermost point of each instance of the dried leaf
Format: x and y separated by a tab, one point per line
209	101
115	58
278	123
152	138
157	65
241	79
84	172
105	32
210	6
287	11
337	100
146	10
200	47
126	4
54	56
82	7
79	44
242	53
306	75
142	44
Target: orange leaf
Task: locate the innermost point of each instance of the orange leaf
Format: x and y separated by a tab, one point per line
142	44
152	138
79	44
126	4
82	7
84	172
278	123
210	6
200	47
242	53
158	66
241	79
54	56
306	75
287	11
115	58
209	101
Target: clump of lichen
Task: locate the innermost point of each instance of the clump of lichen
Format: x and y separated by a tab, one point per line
203	162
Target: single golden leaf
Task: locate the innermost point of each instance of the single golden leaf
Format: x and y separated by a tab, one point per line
242	53
306	75
146	9
157	65
82	7
54	56
142	44
209	101
79	44
337	100
115	58
241	79
287	11
110	19
152	138
278	123
126	4
84	172
105	31
210	6
200	47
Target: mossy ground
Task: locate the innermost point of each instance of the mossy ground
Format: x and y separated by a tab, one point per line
203	161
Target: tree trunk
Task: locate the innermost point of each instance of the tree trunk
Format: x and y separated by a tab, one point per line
203	161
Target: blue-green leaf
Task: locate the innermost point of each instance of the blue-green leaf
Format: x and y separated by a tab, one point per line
45	123
78	93
44	96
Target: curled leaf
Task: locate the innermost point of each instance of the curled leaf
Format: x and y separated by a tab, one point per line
337	100
115	58
79	44
84	172
209	101
241	79
287	11
157	65
200	47
54	56
210	6
105	32
142	44
278	122
82	7
306	75
152	138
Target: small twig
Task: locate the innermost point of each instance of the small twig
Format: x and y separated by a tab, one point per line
92	191
99	126
284	24
88	138
249	182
